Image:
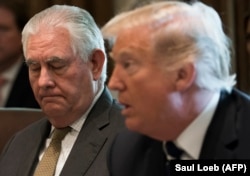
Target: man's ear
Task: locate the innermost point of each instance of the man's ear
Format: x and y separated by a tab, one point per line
97	61
185	76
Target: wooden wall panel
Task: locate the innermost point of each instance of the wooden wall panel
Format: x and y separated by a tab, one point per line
232	13
243	61
101	10
34	6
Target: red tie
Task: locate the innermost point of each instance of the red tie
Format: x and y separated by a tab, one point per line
2	82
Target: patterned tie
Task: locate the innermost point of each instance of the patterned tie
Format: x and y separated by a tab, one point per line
47	165
2	82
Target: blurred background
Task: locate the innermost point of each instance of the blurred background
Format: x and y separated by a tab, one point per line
232	12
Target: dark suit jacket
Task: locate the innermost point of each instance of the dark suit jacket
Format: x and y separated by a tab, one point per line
88	155
227	138
21	94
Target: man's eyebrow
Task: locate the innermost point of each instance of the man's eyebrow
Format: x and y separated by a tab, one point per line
30	62
122	53
125	54
55	59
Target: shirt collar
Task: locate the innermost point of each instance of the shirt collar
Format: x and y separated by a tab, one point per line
191	139
77	125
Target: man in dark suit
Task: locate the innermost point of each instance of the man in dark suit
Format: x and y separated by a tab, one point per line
21	94
67	70
172	73
16	91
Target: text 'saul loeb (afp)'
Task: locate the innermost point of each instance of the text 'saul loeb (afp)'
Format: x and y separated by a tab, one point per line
208	167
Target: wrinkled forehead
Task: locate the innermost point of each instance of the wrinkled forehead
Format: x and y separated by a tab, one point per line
57	34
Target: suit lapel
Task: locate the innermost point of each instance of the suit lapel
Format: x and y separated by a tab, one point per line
221	138
33	149
90	140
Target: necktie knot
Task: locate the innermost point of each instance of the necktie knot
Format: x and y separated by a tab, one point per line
173	150
60	133
47	165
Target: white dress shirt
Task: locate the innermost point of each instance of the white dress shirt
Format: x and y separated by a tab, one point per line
191	139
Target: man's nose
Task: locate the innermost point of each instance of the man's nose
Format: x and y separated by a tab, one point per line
45	78
115	82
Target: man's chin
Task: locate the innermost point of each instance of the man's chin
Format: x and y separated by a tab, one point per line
51	109
133	124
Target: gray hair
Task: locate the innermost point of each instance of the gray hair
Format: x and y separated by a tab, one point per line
184	33
85	34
